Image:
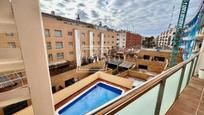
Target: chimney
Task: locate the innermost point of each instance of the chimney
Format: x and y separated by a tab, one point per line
53	12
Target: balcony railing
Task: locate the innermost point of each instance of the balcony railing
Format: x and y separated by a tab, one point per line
12	80
156	96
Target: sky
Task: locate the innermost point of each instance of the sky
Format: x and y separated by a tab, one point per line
145	17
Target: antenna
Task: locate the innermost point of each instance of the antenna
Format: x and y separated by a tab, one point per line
78	17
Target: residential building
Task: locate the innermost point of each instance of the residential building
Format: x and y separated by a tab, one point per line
133	40
121	39
164	40
61	39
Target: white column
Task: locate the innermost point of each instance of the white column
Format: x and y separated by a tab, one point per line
102	44
29	26
77	47
91	43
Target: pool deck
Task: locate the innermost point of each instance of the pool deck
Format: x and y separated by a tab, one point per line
83	89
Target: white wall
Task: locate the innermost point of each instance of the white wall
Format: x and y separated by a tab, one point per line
77	46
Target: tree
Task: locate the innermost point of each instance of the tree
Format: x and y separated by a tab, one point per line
148	42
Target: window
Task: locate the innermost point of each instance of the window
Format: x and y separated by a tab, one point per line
9	34
156	58
83	43
11	44
50	57
49	46
69	33
113	42
112	36
93	43
60	55
71	53
59	45
83	35
146	57
47	33
143	67
70	43
58	33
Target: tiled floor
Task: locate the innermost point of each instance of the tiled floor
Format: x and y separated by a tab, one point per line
191	101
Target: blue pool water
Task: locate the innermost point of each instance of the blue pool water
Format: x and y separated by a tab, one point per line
91	99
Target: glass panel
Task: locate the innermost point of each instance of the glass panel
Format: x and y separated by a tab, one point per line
60	55
11	44
170	91
49	46
185	78
139	106
59	45
58	33
47	33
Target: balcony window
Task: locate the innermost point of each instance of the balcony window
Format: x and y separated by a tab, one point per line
70	43
69	33
59	45
47	33
11	44
83	43
83	35
49	46
58	33
71	53
9	34
50	57
60	55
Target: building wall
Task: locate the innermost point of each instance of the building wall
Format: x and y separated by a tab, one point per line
164	40
133	40
121	39
52	23
6	38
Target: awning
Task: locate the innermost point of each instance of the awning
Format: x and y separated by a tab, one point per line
127	65
115	62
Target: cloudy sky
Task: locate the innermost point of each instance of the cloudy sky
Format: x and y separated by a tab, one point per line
146	17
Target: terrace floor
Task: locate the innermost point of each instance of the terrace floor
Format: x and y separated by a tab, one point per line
191	100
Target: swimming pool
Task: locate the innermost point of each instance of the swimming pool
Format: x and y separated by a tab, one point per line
91	99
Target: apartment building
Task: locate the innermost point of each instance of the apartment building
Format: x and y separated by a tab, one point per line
164	40
133	40
121	39
61	34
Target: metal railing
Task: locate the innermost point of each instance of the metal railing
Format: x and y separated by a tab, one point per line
13	79
156	96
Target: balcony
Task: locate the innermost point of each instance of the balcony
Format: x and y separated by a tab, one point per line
160	93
